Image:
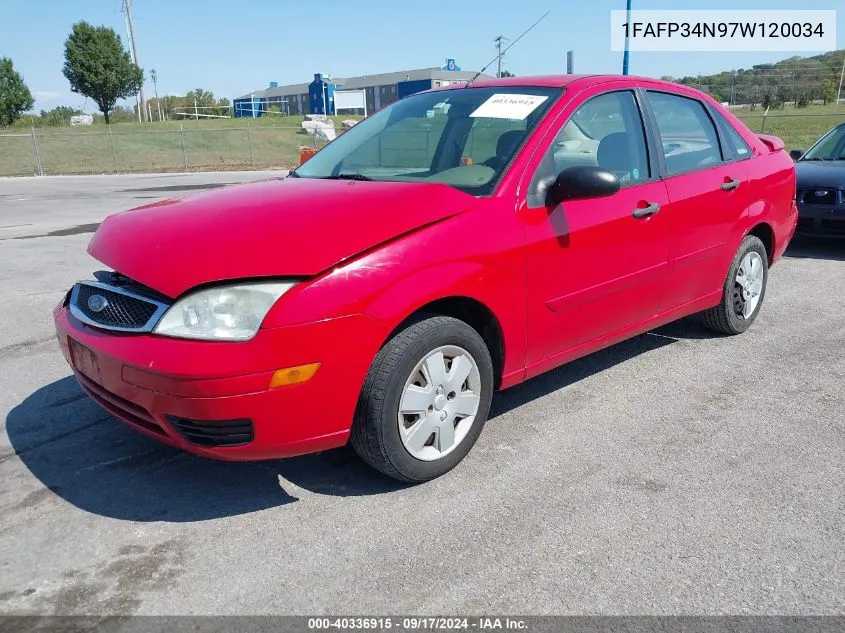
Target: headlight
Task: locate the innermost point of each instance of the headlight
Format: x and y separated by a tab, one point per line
227	313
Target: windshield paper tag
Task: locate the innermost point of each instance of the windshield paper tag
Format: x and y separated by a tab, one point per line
506	106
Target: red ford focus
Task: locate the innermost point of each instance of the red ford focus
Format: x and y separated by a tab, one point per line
457	242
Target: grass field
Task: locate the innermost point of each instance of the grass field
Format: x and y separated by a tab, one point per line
227	144
205	145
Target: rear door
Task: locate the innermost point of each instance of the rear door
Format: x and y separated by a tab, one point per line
708	190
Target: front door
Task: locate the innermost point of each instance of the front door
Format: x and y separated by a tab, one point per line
594	266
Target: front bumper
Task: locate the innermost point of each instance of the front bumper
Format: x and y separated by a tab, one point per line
155	384
821	220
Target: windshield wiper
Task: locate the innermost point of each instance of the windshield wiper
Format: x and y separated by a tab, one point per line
347	177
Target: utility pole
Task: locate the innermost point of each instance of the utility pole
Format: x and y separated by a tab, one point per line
154	77
733	89
499	40
127	7
841	76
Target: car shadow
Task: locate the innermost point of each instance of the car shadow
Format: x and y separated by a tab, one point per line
804	247
577	370
99	465
95	462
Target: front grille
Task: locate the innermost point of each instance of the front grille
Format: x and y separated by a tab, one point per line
114	308
213	433
822	197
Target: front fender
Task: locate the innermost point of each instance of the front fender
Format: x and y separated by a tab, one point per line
450	259
380	291
500	293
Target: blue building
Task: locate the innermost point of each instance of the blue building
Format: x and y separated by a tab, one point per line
318	96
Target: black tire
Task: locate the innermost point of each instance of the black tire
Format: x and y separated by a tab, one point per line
375	430
725	317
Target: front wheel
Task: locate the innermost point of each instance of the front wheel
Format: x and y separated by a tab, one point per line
745	287
425	400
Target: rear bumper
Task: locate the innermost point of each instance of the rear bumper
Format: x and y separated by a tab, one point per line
167	389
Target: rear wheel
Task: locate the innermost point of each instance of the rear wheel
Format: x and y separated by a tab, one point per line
425	400
744	290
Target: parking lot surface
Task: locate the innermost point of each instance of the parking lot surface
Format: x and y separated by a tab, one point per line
676	473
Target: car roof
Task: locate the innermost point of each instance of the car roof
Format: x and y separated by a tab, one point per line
559	81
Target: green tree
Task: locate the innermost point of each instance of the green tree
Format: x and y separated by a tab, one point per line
97	66
15	97
828	91
507	73
59	115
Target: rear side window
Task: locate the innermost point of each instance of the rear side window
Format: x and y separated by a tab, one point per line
733	138
687	133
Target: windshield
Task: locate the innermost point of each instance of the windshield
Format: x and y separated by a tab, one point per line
464	138
829	147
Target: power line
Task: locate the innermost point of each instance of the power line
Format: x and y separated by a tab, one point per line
472	81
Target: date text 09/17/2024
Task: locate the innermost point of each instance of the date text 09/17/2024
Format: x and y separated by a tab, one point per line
417	623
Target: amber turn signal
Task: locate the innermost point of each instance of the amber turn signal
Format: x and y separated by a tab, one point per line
293	375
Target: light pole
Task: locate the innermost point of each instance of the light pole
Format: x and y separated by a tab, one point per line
626	57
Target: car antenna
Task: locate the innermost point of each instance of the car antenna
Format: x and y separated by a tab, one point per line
507	48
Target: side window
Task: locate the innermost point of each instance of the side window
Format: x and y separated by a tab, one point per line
687	133
606	131
733	138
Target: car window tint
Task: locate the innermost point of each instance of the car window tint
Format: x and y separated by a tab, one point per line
687	133
493	142
408	144
734	140
830	147
606	131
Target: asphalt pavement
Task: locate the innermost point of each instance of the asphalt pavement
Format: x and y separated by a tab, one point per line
677	473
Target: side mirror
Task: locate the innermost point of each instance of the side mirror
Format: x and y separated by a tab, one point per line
582	182
795	154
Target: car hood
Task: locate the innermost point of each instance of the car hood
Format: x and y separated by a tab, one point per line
292	227
812	174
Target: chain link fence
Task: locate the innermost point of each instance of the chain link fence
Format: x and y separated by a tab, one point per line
798	131
121	149
154	148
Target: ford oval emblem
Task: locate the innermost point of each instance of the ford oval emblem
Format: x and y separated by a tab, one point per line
97	303
821	193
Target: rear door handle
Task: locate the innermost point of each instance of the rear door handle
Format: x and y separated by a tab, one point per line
730	186
646	212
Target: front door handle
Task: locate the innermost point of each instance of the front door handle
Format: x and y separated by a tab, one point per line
730	186
646	212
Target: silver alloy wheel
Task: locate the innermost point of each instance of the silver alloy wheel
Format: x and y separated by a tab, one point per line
439	403
749	278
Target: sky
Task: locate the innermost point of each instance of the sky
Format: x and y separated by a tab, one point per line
233	48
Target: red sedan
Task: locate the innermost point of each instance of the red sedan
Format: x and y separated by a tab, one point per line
458	242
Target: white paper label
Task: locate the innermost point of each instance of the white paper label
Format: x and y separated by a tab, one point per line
507	106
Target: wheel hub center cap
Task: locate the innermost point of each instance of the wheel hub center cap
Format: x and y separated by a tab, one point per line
439	402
